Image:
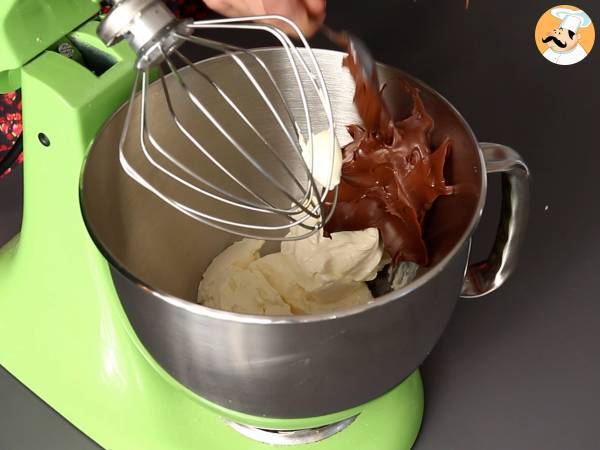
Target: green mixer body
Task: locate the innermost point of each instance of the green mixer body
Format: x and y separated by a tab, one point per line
63	332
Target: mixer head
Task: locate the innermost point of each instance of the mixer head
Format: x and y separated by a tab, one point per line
215	143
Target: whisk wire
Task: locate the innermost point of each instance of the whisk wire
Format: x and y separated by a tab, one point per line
238	146
232	199
306	191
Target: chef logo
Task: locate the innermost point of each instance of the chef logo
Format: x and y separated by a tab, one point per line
565	35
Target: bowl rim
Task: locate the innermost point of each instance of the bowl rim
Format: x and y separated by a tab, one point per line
377	302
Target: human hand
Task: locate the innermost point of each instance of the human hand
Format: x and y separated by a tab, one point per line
307	14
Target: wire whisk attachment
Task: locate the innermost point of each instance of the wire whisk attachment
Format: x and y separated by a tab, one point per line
247	145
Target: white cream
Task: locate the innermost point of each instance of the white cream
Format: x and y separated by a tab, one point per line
303	293
345	256
230	285
326	166
309	276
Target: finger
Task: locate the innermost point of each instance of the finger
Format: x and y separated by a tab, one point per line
316	14
312	25
222	7
316	7
236	8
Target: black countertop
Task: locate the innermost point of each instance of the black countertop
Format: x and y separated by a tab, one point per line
519	369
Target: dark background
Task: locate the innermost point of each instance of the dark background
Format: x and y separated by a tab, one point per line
519	369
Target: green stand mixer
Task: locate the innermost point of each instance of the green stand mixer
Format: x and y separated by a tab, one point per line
97	293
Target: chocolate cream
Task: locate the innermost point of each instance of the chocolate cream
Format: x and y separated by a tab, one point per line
391	176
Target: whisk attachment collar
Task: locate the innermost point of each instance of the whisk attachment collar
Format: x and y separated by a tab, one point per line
148	25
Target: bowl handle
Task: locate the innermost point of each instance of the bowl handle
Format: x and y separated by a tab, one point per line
486	276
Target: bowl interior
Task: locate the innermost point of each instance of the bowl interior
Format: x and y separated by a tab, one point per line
168	251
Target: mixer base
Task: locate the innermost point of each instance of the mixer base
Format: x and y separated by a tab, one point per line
391	422
402	409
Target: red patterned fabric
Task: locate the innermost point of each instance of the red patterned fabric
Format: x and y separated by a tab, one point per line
10	103
10	122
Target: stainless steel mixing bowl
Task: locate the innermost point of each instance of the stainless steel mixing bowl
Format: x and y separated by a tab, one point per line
304	366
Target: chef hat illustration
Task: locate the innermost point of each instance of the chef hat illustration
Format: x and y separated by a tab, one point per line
572	19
